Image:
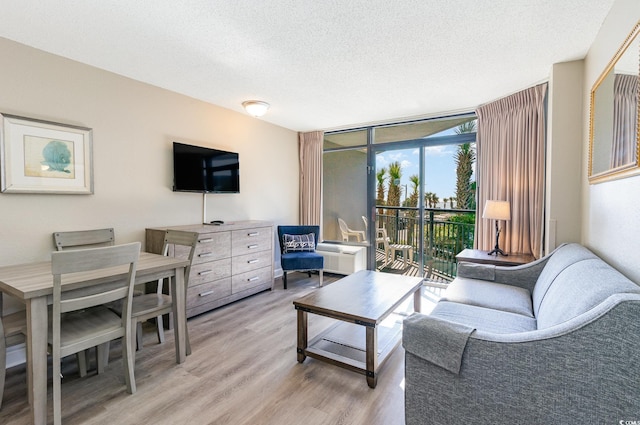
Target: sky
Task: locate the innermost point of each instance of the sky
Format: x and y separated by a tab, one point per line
440	168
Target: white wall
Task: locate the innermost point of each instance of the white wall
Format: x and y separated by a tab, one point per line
134	125
611	210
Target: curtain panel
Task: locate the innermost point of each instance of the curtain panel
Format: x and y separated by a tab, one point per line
511	167
310	151
625	125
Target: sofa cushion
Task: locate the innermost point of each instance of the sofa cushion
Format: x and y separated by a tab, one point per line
483	319
562	258
580	287
493	295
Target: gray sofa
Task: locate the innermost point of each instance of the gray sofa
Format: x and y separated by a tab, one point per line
556	341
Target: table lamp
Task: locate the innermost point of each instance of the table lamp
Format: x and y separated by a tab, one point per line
497	210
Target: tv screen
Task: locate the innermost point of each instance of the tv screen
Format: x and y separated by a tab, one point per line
205	170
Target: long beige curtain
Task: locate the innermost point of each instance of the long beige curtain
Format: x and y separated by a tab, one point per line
510	167
625	125
310	151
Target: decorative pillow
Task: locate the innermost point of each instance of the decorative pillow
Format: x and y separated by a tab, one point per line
299	243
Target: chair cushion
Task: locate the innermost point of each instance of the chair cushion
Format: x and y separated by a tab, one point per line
299	243
302	261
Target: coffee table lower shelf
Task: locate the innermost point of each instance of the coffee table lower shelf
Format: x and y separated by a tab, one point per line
344	344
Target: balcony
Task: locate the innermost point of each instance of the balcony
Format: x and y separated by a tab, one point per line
446	232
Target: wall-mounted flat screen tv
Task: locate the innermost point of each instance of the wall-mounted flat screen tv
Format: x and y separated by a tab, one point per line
205	170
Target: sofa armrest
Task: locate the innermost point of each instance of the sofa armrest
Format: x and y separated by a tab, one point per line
586	370
524	276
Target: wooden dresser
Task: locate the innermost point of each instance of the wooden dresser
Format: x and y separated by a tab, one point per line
232	261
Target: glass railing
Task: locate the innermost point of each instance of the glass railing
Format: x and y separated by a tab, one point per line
446	233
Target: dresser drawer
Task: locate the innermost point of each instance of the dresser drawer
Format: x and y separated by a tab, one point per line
207	292
247	262
213	270
248	280
251	240
211	246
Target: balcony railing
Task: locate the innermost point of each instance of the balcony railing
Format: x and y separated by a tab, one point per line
446	233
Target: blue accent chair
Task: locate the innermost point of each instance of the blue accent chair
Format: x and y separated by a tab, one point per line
304	261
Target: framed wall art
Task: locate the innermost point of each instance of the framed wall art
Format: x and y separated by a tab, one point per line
44	157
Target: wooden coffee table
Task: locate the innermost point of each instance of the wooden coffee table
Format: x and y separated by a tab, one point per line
363	339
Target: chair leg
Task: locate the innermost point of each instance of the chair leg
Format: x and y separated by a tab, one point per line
138	334
160	329
128	357
284	279
57	384
102	356
81	358
320	273
186	340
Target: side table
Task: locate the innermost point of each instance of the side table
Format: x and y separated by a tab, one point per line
482	257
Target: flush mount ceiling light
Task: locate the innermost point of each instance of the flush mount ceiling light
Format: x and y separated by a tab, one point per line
257	108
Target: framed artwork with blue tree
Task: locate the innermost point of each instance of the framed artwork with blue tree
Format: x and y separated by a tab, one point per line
45	157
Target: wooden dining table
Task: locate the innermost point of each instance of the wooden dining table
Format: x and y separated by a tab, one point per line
32	283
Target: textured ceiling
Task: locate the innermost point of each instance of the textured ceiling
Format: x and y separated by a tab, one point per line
321	64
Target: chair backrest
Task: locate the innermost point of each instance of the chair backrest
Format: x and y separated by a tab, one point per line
185	244
366	223
297	230
381	236
83	239
87	260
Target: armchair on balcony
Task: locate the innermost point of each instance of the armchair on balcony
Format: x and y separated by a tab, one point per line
346	232
298	250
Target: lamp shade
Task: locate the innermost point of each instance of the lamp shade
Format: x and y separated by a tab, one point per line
497	210
257	108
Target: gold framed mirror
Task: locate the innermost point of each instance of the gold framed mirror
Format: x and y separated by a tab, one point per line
614	122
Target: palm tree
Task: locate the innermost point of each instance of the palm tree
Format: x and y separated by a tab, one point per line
412	201
380	176
394	192
451	199
444	200
465	157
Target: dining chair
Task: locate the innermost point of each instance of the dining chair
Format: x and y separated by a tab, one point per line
298	250
13	328
347	232
158	303
83	239
79	318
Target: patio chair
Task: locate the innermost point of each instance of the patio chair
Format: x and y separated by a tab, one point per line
390	249
346	232
298	250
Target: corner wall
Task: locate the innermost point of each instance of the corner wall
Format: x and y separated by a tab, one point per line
134	125
611	210
564	141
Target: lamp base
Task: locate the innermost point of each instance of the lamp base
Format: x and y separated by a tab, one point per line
497	251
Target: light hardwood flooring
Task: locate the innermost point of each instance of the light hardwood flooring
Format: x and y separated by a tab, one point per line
243	370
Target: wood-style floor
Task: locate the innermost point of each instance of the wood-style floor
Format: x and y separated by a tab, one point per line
243	370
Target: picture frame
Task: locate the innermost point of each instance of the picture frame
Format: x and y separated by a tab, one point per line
39	156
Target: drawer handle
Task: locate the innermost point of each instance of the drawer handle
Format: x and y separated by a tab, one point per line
253	261
202	273
253	279
252	246
204	294
205	254
253	234
205	240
